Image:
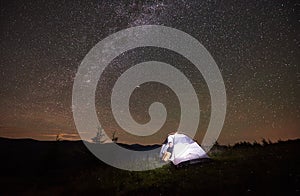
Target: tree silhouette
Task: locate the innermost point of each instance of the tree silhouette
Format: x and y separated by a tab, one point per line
100	136
114	138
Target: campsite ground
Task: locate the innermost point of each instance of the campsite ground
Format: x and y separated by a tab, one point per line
34	167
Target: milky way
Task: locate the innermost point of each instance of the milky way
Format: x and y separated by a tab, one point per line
255	44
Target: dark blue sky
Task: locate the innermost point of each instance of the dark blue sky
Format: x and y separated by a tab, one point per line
255	44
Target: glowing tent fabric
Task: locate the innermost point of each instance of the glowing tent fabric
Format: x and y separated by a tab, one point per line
185	149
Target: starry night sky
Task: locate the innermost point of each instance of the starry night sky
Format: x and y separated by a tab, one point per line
254	43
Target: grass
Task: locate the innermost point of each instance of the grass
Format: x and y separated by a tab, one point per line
61	168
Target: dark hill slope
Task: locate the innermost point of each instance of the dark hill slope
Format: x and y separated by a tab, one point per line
36	167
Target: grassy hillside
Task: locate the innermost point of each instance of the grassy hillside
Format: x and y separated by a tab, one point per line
35	167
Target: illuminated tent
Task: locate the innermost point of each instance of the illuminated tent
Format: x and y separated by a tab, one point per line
184	149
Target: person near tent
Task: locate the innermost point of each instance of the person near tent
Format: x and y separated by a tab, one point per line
180	148
168	148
